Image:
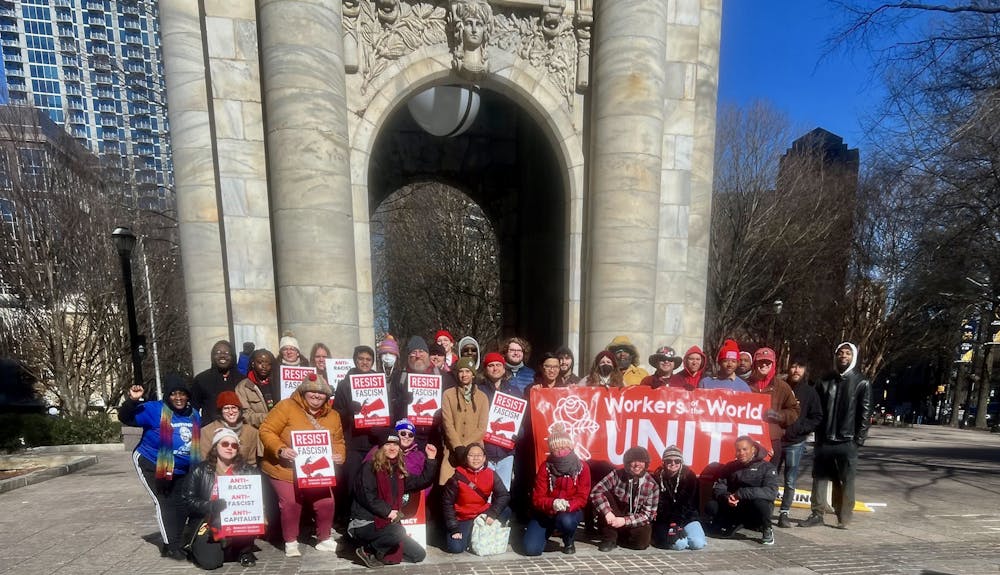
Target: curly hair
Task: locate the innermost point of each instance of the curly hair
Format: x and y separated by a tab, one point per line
381	462
519	341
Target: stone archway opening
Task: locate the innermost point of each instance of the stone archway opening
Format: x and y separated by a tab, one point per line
505	165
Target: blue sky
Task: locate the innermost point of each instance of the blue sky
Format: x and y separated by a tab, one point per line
773	50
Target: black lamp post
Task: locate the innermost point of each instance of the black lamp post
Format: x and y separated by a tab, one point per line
776	309
124	243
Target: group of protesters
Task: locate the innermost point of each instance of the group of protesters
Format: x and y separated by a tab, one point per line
233	421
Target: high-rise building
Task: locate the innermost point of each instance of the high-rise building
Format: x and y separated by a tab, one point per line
95	67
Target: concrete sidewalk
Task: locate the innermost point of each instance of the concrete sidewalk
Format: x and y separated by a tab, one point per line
940	487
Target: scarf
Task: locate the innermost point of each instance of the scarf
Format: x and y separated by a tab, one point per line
514	368
264	387
165	455
467	394
390	489
763	383
569	465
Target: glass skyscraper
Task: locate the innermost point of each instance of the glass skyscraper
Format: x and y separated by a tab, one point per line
95	67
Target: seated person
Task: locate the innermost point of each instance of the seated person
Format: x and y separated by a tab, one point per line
744	493
677	523
378	500
473	490
562	486
209	549
625	503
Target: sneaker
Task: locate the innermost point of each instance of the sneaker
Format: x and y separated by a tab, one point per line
813	520
327	545
606	546
727	532
767	536
569	549
367	558
248	559
841	525
292	549
783	521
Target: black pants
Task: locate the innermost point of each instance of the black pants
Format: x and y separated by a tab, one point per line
344	491
751	513
382	542
836	463
209	553
171	513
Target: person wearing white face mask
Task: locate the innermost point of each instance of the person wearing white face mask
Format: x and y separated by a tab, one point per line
388	355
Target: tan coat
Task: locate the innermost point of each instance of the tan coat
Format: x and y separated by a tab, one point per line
276	433
252	400
249	441
462	425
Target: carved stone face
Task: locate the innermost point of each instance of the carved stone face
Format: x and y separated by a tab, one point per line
473	30
388	11
352	8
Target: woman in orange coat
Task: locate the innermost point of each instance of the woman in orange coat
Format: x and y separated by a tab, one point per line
307	409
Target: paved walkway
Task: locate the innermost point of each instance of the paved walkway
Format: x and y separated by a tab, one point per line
940	487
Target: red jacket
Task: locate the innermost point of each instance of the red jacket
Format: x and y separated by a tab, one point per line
462	503
685	379
576	490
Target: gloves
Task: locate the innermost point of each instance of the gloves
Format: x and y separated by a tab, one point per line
773	416
217	506
560	505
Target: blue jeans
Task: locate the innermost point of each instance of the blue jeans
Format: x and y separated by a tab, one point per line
465	530
504	469
541	526
694	537
792	460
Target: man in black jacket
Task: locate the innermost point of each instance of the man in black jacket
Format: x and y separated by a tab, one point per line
222	376
846	399
794	441
743	494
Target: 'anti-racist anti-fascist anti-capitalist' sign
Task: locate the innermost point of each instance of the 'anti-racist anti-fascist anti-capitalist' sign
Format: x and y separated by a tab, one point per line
244	512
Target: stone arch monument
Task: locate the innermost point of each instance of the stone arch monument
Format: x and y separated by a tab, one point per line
276	108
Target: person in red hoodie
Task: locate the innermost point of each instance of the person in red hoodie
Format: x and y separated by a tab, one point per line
472	491
562	487
694	366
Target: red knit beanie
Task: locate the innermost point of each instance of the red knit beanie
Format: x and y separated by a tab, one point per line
445	333
730	350
227	398
491	357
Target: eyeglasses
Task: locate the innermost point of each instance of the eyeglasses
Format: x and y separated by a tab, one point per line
673	461
547	366
406	434
231	408
229	444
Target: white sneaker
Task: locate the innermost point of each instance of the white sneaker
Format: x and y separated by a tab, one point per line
326	545
292	549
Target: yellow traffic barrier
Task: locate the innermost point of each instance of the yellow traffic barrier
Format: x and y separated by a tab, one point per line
803	500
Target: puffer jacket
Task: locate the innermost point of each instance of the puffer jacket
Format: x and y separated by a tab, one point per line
288	416
756	479
463	503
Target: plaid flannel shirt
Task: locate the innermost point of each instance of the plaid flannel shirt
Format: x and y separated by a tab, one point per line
641	510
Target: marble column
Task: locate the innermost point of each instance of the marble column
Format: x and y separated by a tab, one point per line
625	161
306	129
194	178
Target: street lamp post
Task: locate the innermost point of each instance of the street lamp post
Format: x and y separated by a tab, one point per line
776	309
124	242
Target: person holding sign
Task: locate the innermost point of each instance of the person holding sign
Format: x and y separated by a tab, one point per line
258	394
379	493
472	490
360	440
562	486
465	411
500	458
210	548
308	409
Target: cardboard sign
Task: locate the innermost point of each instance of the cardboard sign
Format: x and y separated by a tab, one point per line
290	376
504	420
426	391
414	520
336	370
604	423
244	512
369	389
314	459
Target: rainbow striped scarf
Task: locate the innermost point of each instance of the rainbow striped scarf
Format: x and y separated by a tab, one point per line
165	456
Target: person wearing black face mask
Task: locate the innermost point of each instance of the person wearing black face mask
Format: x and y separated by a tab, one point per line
603	372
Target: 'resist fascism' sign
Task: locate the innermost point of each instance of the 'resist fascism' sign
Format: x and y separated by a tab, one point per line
369	389
314	458
290	377
504	420
426	392
604	423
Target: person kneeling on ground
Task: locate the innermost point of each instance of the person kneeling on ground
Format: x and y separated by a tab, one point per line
472	491
625	503
562	485
676	526
209	549
380	491
744	493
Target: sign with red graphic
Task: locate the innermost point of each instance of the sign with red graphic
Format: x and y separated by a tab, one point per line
414	519
604	423
426	392
504	420
244	512
336	370
314	458
290	377
369	389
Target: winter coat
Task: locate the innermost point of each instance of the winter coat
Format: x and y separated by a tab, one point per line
846	400
291	415
756	479
249	440
521	379
548	488
633	375
200	490
810	414
462	502
464	423
367	504
252	400
206	388
655	381
684	379
783	401
146	414
679	498
495	453
735	384
638	495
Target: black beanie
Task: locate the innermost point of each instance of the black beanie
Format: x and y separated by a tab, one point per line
637	454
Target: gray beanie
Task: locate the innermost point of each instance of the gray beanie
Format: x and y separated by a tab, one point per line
416	342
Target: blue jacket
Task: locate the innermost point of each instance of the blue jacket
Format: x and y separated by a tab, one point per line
522	379
147	416
733	384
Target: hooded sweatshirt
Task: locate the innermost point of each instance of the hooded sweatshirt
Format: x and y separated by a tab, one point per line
846	399
685	379
467	341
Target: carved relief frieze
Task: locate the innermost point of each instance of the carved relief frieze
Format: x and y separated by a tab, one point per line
551	35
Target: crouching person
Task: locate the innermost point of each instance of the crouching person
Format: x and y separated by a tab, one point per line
625	503
744	493
209	549
677	524
378	500
473	490
562	486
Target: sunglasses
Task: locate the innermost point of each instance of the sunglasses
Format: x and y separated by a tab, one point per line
673	461
406	434
228	444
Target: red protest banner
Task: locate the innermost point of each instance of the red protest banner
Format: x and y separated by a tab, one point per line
369	389
504	419
426	392
604	423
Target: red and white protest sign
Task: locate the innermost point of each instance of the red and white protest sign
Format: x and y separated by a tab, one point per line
244	512
604	423
336	370
414	520
369	389
426	392
290	376
504	420
314	458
